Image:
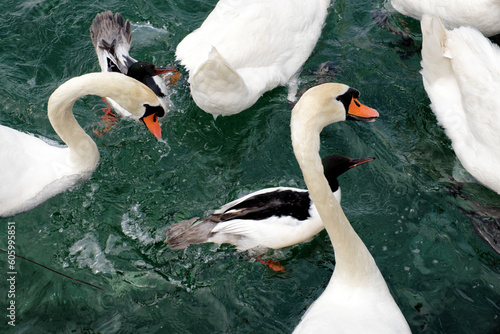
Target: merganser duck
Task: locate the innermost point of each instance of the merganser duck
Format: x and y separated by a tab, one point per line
269	218
111	37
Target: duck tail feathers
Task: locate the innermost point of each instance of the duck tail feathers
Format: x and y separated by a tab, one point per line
106	27
188	232
111	36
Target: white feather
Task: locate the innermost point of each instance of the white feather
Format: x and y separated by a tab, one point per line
461	75
480	14
245	48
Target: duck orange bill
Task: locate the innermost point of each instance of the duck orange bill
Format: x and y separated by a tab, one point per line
151	121
161	70
360	112
357	162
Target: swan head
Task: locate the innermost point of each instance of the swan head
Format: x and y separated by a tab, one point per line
137	98
150	118
329	103
320	106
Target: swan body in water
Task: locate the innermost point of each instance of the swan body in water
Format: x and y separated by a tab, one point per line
480	14
461	75
33	170
246	48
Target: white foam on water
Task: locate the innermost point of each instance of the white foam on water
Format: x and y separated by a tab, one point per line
87	253
131	226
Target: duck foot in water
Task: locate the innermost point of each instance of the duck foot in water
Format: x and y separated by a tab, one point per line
109	120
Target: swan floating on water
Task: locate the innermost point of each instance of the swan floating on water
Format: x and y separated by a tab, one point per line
269	218
357	299
246	48
461	75
481	14
111	37
32	170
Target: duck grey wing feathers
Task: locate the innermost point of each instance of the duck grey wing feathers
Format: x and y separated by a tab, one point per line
111	37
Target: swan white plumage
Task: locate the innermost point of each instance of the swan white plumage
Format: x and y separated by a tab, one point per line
357	299
461	75
245	48
33	170
111	37
480	14
269	218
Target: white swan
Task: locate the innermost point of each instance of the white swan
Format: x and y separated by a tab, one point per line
111	37
33	170
245	48
357	299
481	14
461	75
269	218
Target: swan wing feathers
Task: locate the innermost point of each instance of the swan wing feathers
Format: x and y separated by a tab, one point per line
254	34
462	84
480	14
473	62
476	61
37	170
439	79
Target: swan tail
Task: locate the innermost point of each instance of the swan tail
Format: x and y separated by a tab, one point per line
188	232
435	57
215	80
111	37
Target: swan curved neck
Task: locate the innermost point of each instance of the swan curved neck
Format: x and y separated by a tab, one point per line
353	260
83	150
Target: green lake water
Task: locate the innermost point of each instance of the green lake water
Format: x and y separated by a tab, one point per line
109	231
